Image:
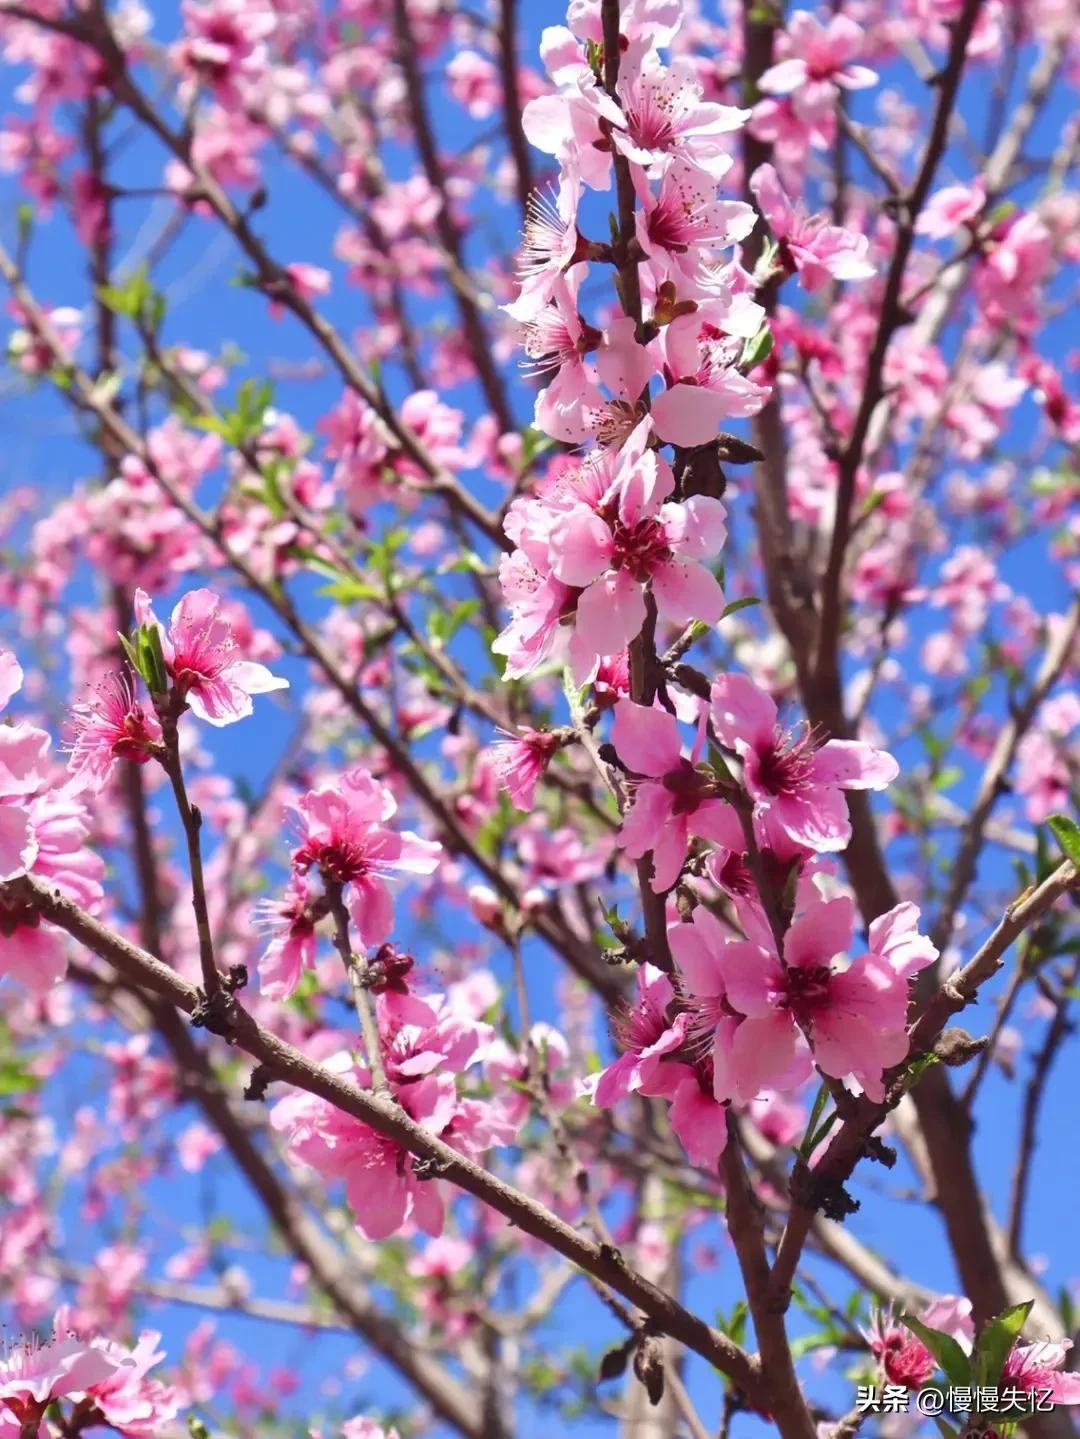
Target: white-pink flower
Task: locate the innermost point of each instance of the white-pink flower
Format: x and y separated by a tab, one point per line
809	244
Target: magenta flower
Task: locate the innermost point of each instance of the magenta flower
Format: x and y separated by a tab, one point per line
345	836
809	244
853	1018
673	798
293	943
630	538
520	761
201	655
796	783
109	726
645	1033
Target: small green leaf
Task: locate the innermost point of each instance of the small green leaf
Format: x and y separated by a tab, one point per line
756	350
952	1359
1067	834
737	605
996	1340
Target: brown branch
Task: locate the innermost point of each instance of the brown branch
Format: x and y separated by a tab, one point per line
506	35
287	1064
408	59
744	1222
893	316
1058	1030
849	1143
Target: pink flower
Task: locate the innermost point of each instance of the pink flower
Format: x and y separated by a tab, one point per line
293	946
853	1018
127	1399
645	1033
818	60
684	224
628	538
808	244
201	656
795	783
110	725
950	208
344	836
474	83
673	798
1041	1367
381	1185
11	678
309	281
698	1119
24	768
520	762
665	117
33	1374
549	247
704	384
904	1358
224	44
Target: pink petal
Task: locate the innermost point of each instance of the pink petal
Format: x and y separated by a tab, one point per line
371	909
700	1123
688	414
742	711
821	933
611	612
11	677
647	740
17	846
253	678
751	977
854	765
696	948
581	547
781	79
687	592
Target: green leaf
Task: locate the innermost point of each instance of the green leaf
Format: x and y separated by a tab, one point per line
756	350
946	1428
131	652
15	1079
1067	834
737	605
820	1101
996	1340
952	1359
